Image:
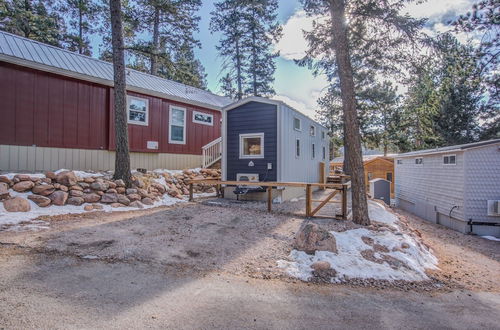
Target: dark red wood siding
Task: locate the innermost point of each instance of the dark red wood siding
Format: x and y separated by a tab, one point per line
50	110
47	110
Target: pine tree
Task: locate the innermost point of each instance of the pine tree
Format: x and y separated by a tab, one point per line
83	17
122	158
32	19
249	28
227	18
171	25
358	35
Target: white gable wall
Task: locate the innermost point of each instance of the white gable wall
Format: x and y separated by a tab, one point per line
432	187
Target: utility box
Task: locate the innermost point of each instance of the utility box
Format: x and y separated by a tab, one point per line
381	189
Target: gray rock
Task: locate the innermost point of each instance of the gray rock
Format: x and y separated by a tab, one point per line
312	238
39	200
109	198
75	201
16	204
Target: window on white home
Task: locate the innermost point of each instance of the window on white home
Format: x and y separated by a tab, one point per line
252	145
324	153
450	160
419	161
297	148
297	125
203	118
137	110
400	161
312	130
323	135
313	151
177	120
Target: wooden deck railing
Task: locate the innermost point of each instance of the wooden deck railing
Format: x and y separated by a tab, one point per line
310	212
211	152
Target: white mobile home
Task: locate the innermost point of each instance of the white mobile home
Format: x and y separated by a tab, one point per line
267	140
456	186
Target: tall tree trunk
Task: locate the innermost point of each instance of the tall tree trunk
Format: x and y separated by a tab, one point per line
122	158
352	136
239	78
346	166
156	42
80	28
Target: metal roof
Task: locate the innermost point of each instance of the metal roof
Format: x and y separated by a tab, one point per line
19	50
459	147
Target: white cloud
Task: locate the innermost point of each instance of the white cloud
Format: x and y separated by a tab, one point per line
293	45
307	106
435	10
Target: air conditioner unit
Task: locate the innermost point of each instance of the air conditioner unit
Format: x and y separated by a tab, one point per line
494	208
252	177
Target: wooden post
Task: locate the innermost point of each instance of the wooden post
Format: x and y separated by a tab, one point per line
191	198
322	177
269	198
308	200
344	202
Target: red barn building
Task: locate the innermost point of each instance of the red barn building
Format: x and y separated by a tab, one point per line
56	111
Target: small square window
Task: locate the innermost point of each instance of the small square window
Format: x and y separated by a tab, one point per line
297	148
297	125
252	145
312	130
137	110
450	160
419	161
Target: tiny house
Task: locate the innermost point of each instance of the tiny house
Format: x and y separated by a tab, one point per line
456	186
267	140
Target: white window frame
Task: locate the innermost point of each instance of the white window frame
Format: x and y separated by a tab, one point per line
300	124
170	124
252	135
312	130
450	164
136	122
202	122
299	149
422	163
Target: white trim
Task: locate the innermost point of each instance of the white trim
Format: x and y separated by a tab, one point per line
300	124
252	135
102	81
450	164
195	121
137	122
171	108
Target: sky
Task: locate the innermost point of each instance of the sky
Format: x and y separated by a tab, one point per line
296	85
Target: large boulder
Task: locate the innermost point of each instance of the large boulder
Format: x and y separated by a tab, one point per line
5	179
312	238
91	198
39	200
99	186
4	191
77	201
43	189
109	198
136	204
16	204
58	197
123	200
23	186
22	177
147	201
134	197
67	178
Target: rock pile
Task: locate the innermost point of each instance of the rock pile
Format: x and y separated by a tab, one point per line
65	188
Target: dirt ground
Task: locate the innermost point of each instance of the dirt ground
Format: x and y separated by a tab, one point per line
197	265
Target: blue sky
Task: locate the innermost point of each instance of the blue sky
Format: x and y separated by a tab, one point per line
296	85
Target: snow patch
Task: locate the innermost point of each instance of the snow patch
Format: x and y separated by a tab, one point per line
398	263
492	238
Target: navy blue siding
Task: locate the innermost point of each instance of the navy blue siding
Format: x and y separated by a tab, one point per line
252	117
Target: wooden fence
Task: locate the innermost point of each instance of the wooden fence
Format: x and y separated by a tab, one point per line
309	212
